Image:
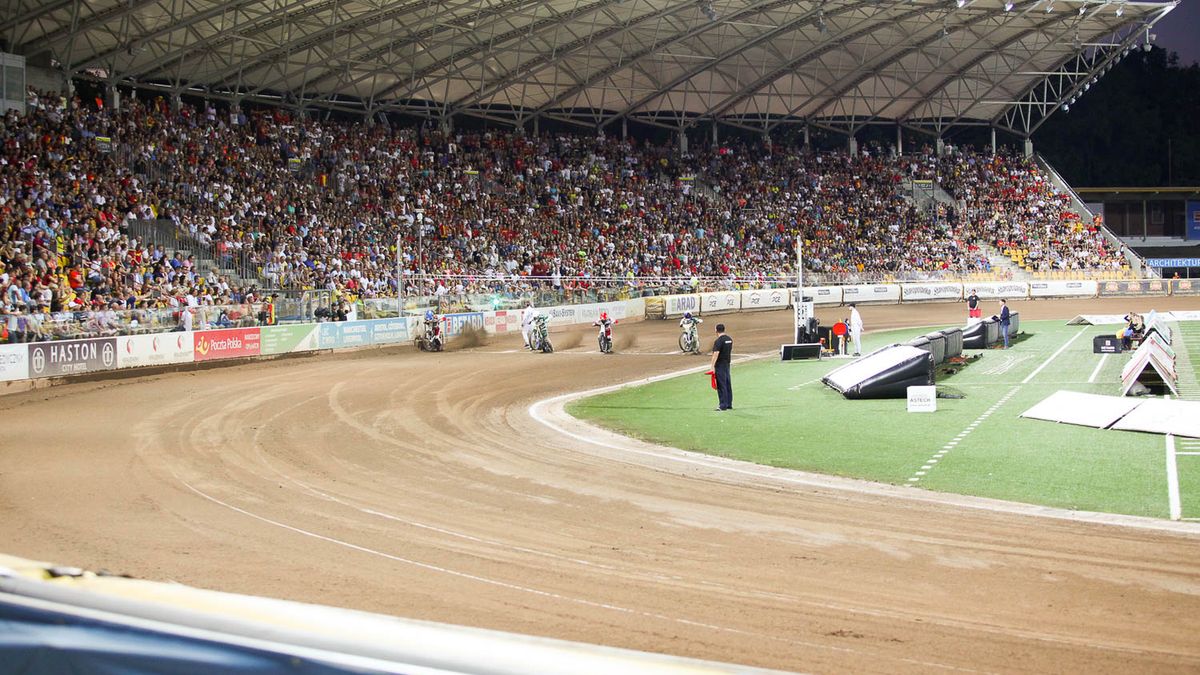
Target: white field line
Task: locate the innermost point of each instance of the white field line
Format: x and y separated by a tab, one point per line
796	387
1053	356
1173	480
950	445
1096	372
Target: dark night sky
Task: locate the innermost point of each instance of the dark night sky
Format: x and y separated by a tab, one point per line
1179	31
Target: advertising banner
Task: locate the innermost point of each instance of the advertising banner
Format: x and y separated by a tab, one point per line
1052	289
568	315
14	362
768	298
716	303
1136	287
228	343
635	308
995	290
931	291
390	331
678	304
455	323
1193	220
502	321
329	335
342	334
291	338
161	349
1185	286
871	293
564	315
72	357
354	333
1172	263
821	295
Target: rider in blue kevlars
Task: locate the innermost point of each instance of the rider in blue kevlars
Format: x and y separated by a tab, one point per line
689	321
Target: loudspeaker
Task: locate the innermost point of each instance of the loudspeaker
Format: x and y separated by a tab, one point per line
809	350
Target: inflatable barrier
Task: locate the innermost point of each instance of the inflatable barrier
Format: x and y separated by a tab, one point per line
884	373
985	333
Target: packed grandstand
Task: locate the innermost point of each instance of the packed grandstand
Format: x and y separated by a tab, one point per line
323	205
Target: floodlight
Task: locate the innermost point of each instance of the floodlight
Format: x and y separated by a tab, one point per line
1120	9
1066	107
1008	6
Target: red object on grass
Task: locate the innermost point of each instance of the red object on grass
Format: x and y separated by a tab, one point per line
839	328
714	377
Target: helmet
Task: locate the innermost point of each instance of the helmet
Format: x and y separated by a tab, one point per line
429	315
603	316
687	315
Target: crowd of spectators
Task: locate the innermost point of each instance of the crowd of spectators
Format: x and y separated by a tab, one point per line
329	205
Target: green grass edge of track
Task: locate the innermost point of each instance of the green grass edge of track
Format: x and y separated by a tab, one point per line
784	417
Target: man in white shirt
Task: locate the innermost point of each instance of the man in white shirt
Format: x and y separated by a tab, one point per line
527	323
856	329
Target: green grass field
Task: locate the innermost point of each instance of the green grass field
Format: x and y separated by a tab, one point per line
783	416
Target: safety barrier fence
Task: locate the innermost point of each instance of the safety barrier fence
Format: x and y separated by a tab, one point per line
737	301
246	338
58	358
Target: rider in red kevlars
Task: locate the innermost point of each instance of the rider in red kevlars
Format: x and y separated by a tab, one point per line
605	336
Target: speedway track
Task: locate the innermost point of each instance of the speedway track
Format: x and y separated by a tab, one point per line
419	485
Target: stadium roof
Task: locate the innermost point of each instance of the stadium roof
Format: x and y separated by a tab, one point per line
758	63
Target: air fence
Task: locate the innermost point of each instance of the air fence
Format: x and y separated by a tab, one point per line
244	337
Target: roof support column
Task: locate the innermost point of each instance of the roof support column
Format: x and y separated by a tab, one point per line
853	145
899	140
1028	148
715	141
993	141
624	128
807	138
940	145
683	142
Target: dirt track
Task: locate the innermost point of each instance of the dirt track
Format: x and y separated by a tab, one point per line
418	485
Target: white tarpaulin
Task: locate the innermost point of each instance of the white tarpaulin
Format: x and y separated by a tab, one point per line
1153	415
1096	320
1160	416
1089	410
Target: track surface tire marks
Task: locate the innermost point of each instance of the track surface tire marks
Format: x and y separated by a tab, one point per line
417	485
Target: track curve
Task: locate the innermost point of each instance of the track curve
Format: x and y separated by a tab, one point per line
418	485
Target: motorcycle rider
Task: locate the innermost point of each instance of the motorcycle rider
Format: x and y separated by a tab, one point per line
606	325
431	326
689	322
539	330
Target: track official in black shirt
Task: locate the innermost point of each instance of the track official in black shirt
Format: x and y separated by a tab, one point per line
722	351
